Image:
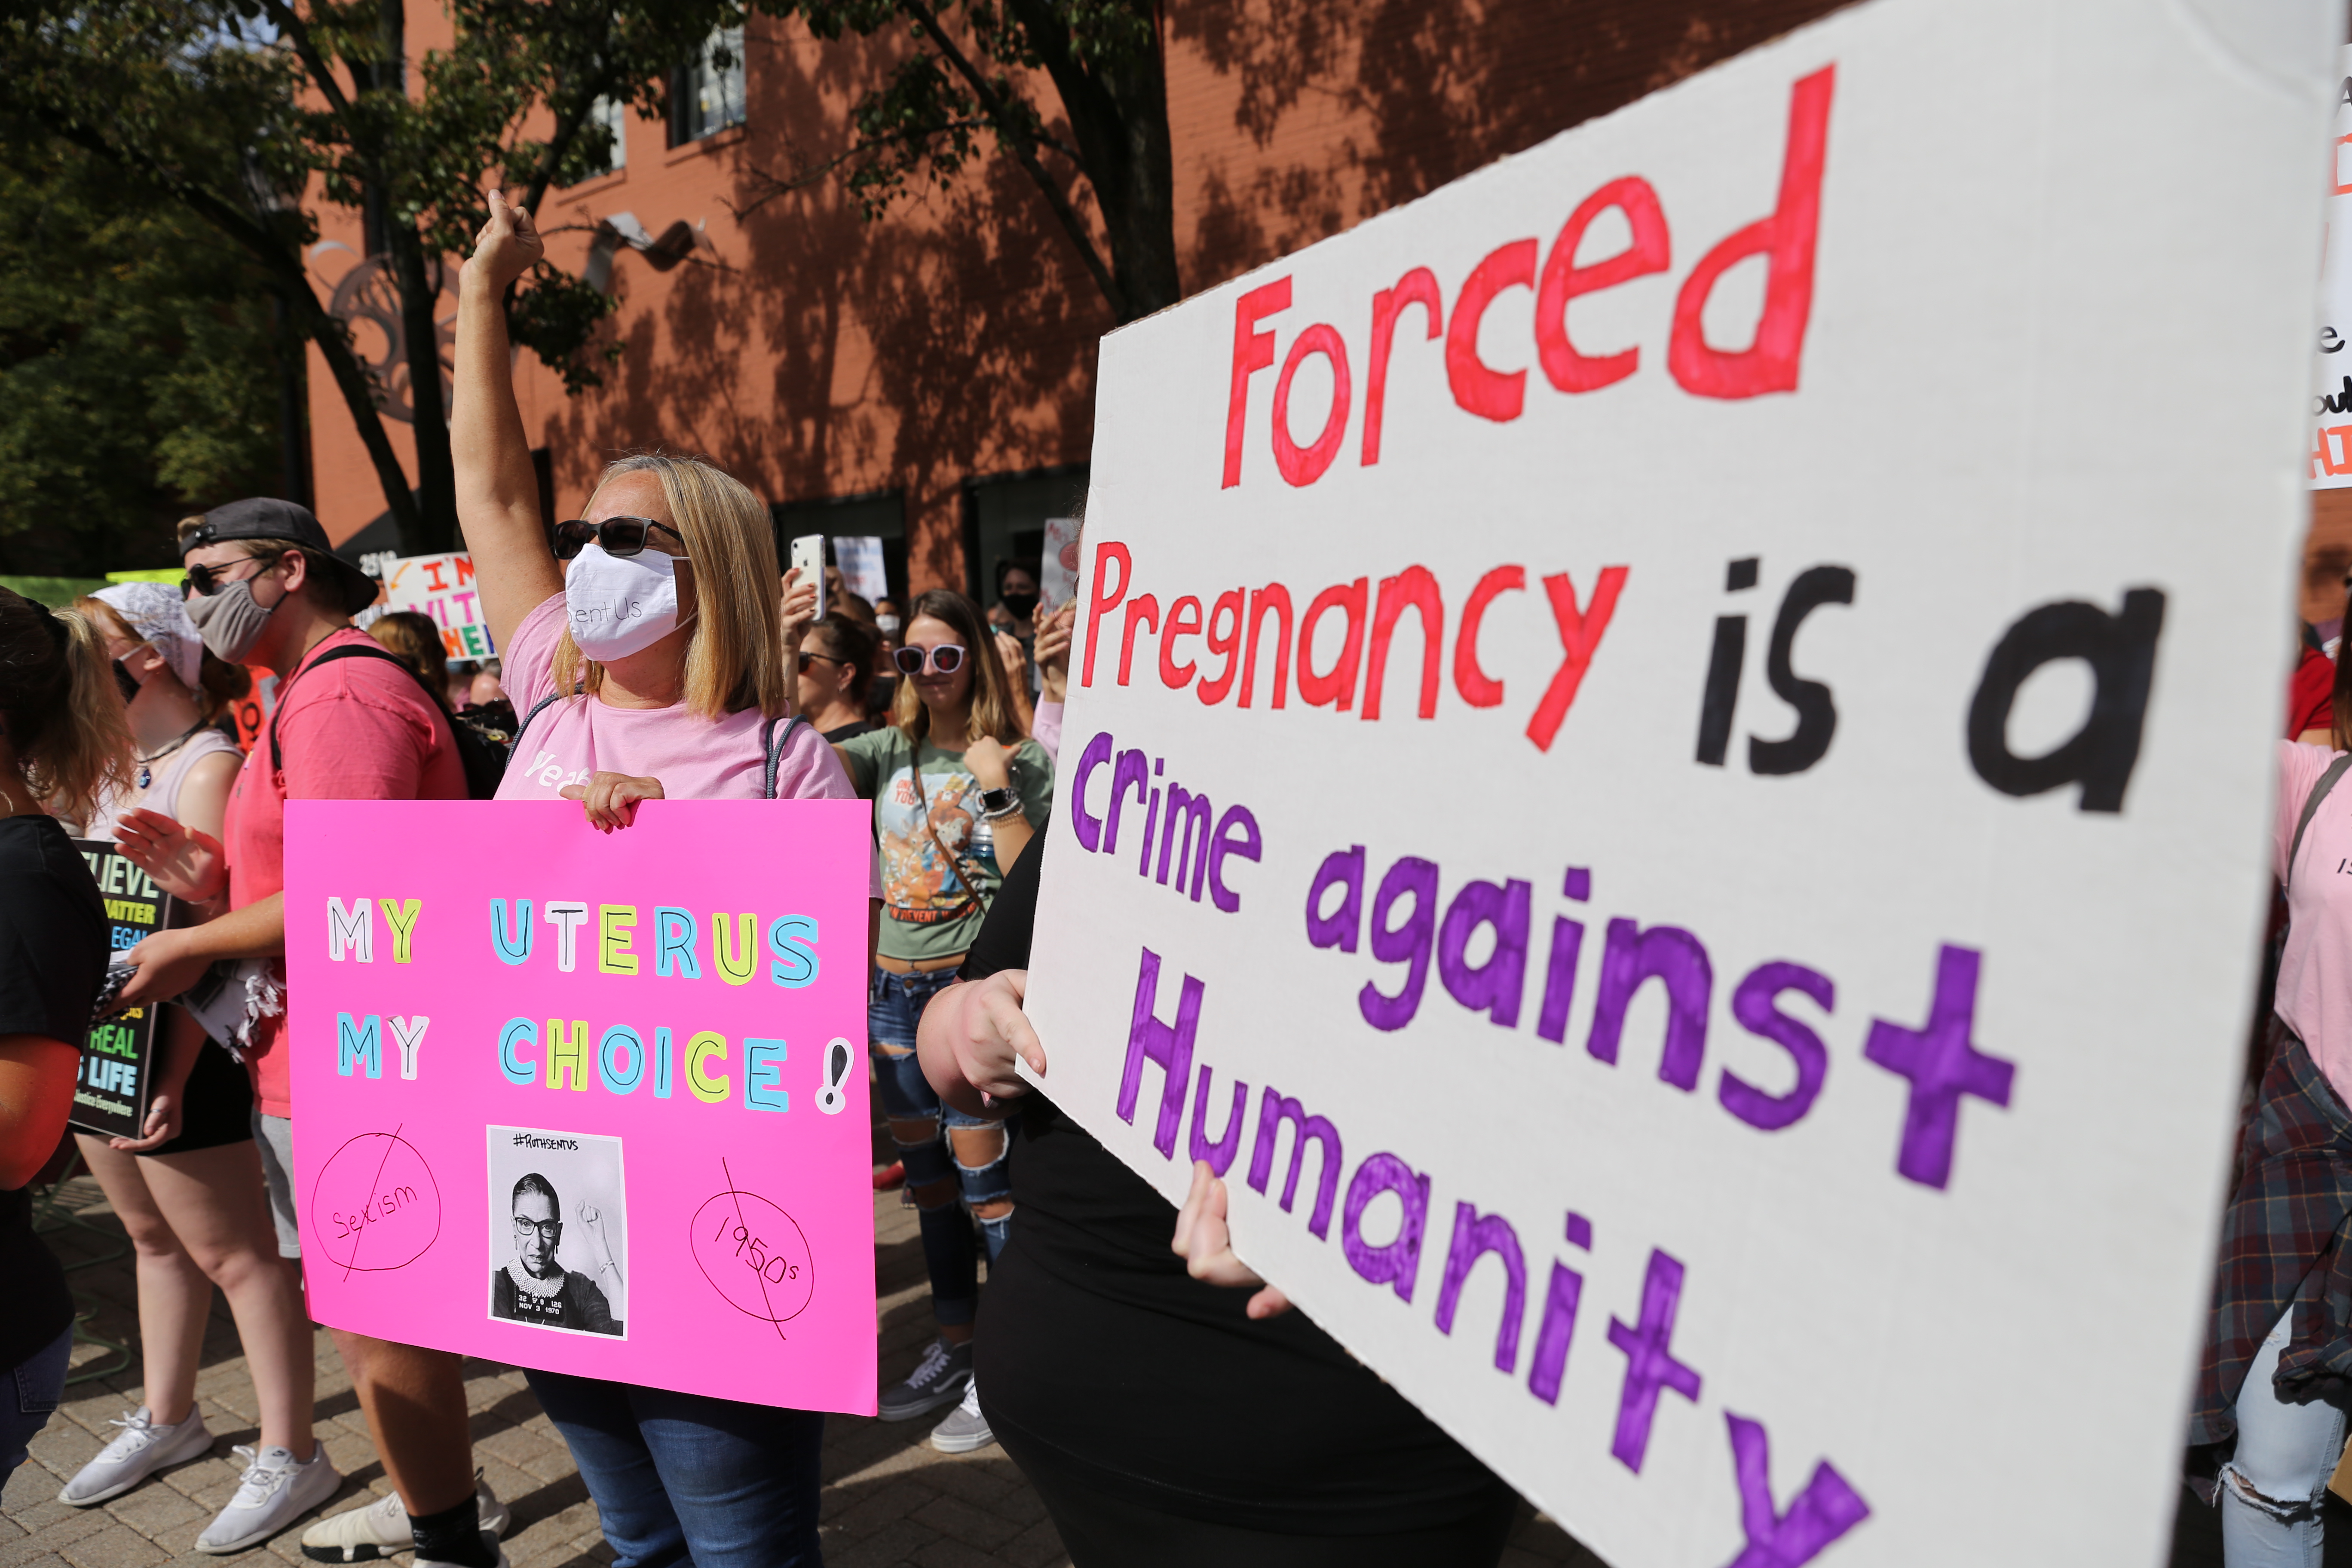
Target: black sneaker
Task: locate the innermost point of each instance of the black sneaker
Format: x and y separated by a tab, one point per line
938	1380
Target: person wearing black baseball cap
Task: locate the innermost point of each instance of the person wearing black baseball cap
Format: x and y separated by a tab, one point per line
265	587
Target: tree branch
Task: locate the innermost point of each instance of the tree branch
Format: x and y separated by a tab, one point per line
1020	144
293	284
808	176
293	30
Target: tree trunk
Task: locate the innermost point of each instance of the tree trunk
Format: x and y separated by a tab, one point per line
437	476
1119	116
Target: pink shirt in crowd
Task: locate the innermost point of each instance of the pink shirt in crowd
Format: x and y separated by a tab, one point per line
1045	728
358	729
2315	983
694	758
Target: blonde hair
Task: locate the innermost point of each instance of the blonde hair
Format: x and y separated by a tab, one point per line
734	661
218	682
991	712
64	719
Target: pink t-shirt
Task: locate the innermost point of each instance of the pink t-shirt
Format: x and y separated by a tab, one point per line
2315	983
356	728
694	758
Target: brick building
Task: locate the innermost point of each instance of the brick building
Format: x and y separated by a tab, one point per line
929	377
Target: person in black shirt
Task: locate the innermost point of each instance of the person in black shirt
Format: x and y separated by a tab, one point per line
62	741
1100	1343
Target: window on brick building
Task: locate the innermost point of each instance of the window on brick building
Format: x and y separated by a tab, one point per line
609	119
706	94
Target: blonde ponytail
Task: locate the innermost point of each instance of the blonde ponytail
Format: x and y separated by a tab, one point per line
64	719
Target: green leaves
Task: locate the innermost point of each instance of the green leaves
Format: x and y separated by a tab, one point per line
138	377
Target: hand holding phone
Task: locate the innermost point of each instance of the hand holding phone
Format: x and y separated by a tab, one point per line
808	560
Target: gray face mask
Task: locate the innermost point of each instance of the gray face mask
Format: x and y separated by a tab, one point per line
230	622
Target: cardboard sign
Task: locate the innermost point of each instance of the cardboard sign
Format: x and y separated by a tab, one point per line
1059	576
593	1104
442	586
117	1058
252	711
860	560
1669	767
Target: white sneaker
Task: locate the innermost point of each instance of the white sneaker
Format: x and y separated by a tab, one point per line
374	1528
275	1491
142	1450
965	1428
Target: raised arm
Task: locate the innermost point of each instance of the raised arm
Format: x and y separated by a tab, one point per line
497	493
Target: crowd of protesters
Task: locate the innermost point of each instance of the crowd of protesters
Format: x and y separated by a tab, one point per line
1103	1304
1100	1297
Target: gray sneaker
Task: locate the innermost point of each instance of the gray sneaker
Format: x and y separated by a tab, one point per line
142	1450
379	1527
275	1491
965	1428
940	1378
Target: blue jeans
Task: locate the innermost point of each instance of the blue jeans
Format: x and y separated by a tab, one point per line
2271	1489
895	1005
29	1398
683	1478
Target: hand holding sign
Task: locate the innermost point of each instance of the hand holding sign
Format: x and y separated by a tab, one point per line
1206	1247
979	1033
611	799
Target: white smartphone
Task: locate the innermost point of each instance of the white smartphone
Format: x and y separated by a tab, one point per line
808	559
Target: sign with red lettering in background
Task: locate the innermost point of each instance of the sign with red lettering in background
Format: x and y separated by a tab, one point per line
1669	763
442	586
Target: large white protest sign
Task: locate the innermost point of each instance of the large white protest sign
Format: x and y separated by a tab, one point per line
1694	715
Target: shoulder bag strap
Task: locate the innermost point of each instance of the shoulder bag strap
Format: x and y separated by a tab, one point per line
965	867
772	743
515	745
2335	770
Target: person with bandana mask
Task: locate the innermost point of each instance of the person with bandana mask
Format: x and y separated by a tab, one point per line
190	1190
264	588
654	624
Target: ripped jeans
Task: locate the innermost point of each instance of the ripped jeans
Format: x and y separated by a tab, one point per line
963	1158
2271	1488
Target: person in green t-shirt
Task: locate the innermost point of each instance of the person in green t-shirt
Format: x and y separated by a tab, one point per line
958	793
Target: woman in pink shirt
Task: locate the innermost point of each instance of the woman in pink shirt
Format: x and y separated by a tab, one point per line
645	655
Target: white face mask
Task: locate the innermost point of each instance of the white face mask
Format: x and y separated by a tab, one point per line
619	604
887	625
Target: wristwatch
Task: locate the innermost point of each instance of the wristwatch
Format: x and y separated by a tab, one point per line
994	802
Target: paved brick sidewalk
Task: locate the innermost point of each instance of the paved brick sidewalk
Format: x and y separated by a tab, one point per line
889	1499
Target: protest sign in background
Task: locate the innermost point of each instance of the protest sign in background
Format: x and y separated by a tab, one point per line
1669	763
860	560
441	586
664	1028
2331	442
119	1056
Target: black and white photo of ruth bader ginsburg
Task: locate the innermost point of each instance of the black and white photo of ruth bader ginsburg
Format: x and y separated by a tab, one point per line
534	1286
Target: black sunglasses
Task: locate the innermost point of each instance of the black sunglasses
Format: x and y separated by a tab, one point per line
802	666
947	658
207	581
618	535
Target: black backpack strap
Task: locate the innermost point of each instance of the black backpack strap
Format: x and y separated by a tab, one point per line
2328	781
772	743
370	649
515	745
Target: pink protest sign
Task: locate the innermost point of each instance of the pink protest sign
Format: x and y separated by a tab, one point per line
587	1103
